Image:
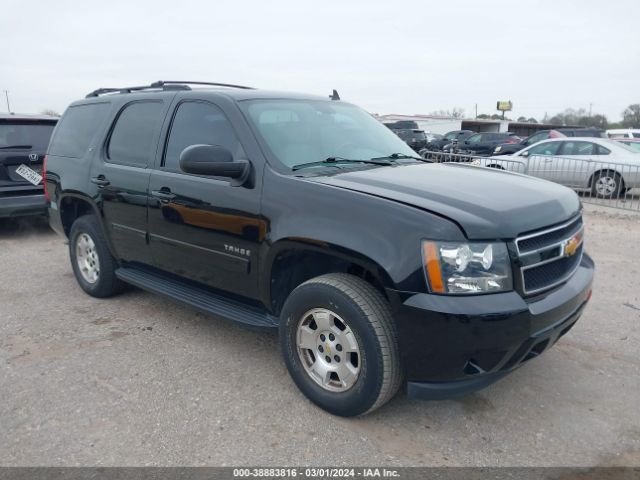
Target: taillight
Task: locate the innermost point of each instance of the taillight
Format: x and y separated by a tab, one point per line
44	178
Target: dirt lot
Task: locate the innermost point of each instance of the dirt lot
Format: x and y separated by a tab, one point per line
138	380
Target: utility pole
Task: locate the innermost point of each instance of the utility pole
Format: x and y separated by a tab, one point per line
590	105
6	94
476	111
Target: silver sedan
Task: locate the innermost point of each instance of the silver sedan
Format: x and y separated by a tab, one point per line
605	168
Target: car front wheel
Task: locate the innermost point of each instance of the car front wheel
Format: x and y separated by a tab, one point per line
339	344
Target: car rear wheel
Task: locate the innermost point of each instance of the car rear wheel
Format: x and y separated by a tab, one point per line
607	184
93	265
339	344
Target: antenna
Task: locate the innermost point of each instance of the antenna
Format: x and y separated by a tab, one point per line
6	94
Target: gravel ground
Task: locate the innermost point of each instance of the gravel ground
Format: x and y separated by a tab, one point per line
139	380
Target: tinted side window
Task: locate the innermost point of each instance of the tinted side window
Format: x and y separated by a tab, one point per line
536	137
548	148
474	138
199	123
578	148
132	138
602	150
76	129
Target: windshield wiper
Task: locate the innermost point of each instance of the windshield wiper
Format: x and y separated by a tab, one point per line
15	146
400	156
331	161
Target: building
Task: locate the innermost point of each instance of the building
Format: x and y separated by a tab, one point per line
442	124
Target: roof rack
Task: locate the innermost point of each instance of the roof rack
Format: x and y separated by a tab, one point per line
163	85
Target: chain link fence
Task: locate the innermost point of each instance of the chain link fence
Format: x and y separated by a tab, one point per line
601	182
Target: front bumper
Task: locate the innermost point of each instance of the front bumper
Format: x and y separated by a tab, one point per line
451	346
16	206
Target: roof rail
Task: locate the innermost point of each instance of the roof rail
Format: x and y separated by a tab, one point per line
163	85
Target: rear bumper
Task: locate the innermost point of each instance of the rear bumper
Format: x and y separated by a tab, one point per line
451	346
16	206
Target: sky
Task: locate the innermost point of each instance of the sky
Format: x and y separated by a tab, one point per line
408	57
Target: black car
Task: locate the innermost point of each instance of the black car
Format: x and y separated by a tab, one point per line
23	143
439	143
307	215
509	148
486	142
415	138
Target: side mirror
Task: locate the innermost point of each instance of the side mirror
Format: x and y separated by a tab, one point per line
215	161
525	153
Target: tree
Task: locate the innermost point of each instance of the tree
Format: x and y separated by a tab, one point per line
631	116
48	111
455	112
596	120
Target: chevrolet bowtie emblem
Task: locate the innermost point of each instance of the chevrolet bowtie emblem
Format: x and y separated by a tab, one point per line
571	245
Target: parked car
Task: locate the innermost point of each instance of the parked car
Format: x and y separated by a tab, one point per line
632	143
432	137
624	133
602	166
438	144
23	143
486	142
510	148
305	214
416	139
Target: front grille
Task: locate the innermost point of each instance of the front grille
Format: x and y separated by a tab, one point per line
549	257
536	241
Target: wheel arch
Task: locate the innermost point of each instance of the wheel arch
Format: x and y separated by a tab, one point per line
292	261
74	205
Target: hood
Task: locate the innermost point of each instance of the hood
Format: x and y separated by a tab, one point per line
486	203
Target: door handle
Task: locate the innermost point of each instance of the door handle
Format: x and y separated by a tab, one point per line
163	195
547	160
100	180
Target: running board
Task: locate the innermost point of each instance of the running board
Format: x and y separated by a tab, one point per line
196	297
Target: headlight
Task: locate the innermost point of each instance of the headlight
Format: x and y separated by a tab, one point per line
498	149
459	268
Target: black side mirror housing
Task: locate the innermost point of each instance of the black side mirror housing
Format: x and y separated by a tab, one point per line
214	161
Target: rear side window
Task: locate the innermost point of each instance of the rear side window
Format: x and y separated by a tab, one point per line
578	148
132	140
77	128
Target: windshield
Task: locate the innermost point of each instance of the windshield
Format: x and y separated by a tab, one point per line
25	134
305	131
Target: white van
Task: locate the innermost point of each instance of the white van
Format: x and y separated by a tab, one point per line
624	133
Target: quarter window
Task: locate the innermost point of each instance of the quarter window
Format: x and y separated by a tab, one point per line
133	137
200	123
77	128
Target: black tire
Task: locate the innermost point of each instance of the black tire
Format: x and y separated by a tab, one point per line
614	179
496	166
107	284
368	315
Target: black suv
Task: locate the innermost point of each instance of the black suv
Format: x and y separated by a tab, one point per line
449	137
510	148
308	215
23	143
486	142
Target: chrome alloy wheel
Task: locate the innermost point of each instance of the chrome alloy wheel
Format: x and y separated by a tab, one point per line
606	185
87	258
328	350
